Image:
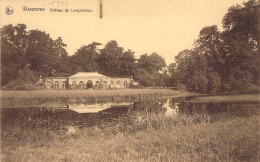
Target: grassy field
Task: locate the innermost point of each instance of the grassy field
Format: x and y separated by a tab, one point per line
108	95
230	98
157	140
86	95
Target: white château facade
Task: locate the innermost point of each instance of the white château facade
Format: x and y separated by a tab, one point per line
86	80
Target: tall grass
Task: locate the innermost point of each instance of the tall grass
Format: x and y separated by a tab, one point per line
147	137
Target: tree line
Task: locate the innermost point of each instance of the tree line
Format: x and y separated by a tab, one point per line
219	61
47	57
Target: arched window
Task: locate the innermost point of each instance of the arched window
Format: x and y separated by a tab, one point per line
81	84
89	84
97	82
118	82
104	82
56	85
64	84
48	85
126	84
73	84
111	84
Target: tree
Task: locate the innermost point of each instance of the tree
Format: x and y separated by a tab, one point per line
127	61
148	70
196	73
175	77
13	48
241	37
239	81
35	48
60	48
85	59
115	62
144	78
227	61
183	62
211	45
25	80
41	53
151	63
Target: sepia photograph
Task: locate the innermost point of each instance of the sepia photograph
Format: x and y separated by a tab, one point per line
130	80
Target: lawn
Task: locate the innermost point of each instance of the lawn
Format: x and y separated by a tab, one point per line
230	98
86	95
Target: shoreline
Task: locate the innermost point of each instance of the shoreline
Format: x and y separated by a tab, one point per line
230	98
93	96
42	96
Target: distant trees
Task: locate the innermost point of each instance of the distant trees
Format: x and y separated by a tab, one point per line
45	56
225	61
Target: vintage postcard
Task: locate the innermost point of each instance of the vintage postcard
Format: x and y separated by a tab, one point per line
130	80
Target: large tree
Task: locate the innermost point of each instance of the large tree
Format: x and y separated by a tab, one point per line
14	44
34	48
241	37
230	58
210	45
84	59
114	61
151	63
41	53
149	67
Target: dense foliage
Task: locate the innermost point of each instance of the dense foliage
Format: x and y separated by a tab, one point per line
45	56
225	61
20	48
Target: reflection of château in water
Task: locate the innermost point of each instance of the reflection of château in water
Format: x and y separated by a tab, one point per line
59	115
95	108
54	115
86	80
86	108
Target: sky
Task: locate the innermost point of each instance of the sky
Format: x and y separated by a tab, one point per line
163	26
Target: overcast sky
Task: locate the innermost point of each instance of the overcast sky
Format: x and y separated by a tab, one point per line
144	26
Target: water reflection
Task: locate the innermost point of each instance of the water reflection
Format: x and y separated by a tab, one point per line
74	116
171	110
95	108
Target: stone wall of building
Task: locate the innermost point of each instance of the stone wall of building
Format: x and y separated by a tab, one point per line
84	81
120	82
56	82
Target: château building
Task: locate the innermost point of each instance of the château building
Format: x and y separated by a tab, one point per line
86	80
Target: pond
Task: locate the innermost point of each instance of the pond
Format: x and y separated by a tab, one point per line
61	117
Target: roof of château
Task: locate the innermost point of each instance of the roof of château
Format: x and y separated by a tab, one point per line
87	75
